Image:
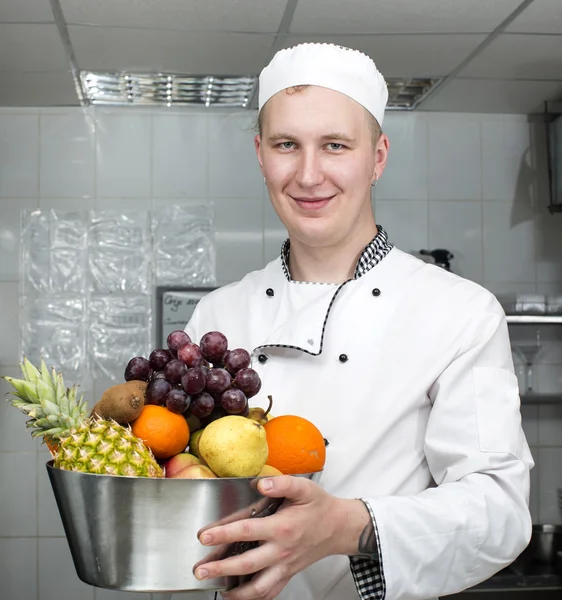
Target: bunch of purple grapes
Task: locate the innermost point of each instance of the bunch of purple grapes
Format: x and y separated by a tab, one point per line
205	380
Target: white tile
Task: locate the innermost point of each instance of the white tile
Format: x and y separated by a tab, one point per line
550	424
180	159
548	232
57	575
457	227
406	171
539	163
10	211
239	237
506	160
125	204
67	155
509	242
18	568
274	232
18	494
549	379
9	323
14	437
454	158
405	221
551	345
500	287
550	478
530	419
233	165
66	204
19	149
49	521
123	145
550	288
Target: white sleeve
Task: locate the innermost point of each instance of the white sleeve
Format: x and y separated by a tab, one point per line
476	520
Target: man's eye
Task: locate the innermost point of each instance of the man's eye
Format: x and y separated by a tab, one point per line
287	145
335	146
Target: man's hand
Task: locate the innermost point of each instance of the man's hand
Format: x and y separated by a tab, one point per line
310	525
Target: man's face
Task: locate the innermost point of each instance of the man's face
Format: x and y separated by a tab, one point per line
317	155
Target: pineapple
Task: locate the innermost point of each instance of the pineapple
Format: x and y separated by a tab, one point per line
77	442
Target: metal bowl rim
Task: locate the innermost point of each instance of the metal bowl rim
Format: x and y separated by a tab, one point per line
50	465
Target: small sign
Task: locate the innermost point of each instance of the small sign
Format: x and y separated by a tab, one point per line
175	308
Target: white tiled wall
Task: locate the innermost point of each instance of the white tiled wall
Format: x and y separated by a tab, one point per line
474	184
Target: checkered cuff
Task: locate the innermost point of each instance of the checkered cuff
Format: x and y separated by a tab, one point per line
368	573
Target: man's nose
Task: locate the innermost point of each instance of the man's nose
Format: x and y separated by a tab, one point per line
309	170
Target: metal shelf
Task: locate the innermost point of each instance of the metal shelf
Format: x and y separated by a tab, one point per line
541	398
534	319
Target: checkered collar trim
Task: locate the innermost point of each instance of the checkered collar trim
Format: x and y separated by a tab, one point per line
372	254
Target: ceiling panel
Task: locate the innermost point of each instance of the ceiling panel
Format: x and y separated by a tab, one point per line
25	11
515	56
31	47
542	16
210	15
406	55
492	96
37	89
400	16
114	49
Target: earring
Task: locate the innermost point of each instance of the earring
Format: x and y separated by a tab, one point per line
373	183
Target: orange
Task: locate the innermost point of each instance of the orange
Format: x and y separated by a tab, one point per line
296	445
164	432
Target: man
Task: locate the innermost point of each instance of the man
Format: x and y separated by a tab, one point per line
404	367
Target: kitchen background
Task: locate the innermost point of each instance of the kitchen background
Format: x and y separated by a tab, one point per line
467	172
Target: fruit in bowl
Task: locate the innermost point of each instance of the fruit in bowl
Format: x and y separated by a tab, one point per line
183	412
78	441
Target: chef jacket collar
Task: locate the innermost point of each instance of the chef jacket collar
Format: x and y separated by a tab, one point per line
372	254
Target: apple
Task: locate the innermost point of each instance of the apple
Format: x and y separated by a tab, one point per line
178	462
194	472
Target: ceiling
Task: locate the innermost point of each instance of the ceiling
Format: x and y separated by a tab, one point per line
498	56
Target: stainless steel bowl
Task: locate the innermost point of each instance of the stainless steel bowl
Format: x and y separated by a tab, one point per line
140	534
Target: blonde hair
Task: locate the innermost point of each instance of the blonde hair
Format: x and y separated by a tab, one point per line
374	126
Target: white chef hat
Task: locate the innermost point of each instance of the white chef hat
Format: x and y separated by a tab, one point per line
327	65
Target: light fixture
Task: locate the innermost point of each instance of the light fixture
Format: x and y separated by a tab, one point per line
406	93
167	89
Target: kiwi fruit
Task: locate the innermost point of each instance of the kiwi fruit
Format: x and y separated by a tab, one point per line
122	403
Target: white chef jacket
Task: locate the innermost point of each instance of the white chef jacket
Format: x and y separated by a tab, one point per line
407	371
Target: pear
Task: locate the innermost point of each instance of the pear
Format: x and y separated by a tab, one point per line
260	415
234	446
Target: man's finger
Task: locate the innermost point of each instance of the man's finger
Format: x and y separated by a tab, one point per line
296	489
245	530
247	563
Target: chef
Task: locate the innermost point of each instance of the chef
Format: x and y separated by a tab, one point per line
404	367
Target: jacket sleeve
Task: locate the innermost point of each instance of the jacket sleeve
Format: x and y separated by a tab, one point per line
475	520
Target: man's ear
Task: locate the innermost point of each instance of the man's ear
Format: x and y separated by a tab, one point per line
258	146
381	156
